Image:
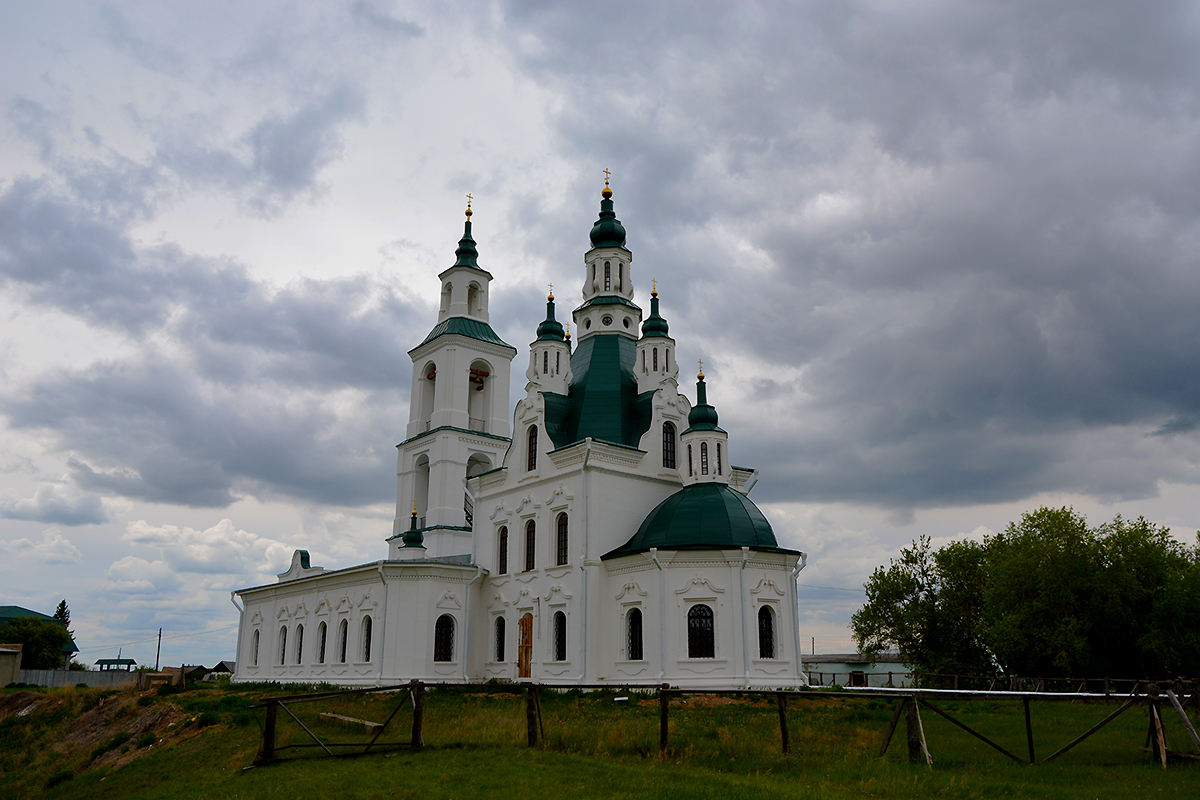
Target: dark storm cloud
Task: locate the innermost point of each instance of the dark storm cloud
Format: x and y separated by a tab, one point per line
56	503
976	226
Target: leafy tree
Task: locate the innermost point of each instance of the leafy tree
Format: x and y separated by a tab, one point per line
44	641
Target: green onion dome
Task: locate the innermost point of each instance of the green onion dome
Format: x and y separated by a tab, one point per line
608	230
702	417
550	328
654	325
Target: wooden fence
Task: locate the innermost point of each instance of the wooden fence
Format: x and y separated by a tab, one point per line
908	703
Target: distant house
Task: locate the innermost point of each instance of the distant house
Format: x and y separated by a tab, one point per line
853	669
10	663
8	613
223	669
119	664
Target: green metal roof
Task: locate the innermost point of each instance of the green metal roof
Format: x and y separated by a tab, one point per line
8	613
465	326
609	300
602	401
703	516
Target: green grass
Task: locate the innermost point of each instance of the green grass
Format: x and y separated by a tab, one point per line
596	748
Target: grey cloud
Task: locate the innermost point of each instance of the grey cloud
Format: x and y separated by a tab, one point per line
149	54
56	503
369	15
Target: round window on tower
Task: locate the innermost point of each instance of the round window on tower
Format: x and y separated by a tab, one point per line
627	323
587	324
606	320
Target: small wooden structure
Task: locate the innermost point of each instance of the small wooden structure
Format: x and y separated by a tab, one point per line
118	664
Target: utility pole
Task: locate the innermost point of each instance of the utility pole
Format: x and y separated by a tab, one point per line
159	651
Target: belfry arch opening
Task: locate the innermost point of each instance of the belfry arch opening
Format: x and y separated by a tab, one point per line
426	390
479	395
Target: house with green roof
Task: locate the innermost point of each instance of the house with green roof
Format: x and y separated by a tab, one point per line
596	531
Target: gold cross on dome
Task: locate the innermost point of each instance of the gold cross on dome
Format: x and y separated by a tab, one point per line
551	291
469	206
606	176
700	361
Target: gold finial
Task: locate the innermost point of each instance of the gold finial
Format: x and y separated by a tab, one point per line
414	506
468	217
607	193
655	292
700	375
551	297
568	330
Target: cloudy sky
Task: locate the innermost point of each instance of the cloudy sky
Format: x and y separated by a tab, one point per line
941	260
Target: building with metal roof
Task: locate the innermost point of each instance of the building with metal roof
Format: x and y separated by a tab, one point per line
597	531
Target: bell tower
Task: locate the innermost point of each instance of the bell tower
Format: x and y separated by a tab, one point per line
458	412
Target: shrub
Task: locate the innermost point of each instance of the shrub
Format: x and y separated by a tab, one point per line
146	739
111	743
62	776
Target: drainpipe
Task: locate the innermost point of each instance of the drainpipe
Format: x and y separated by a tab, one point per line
467	619
583	601
796	622
379	649
662	615
241	619
745	625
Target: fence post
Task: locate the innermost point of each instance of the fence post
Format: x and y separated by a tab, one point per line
914	733
267	753
664	705
531	715
418	697
783	728
1028	729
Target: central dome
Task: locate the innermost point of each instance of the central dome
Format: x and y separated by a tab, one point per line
703	516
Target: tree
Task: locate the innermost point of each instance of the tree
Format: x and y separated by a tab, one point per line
63	614
44	642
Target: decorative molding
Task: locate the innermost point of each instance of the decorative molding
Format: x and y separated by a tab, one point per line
697	582
368	598
283	613
257	618
497	600
766	584
629	588
450	601
344	604
557	590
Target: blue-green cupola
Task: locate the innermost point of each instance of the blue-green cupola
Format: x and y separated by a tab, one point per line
608	230
702	417
413	536
466	254
550	328
655	325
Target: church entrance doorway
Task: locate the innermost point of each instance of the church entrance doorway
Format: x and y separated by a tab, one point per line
525	646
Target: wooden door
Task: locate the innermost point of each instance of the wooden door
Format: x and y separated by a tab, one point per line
525	646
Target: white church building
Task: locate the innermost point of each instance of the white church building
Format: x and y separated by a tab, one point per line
598	532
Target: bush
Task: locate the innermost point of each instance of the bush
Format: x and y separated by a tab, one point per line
111	743
62	776
146	739
207	718
168	688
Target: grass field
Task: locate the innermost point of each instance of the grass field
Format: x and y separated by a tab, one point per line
92	744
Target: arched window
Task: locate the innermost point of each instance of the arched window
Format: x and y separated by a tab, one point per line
445	298
366	639
643	361
530	545
666	358
701	642
560	541
719	458
633	634
254	649
283	645
655	360
607	277
499	638
560	636
668	446
502	551
766	633
443	638
704	458
473	304
689	461
531	460
557	362
545	361
322	630
343	632
299	644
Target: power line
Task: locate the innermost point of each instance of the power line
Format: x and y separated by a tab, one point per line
94	648
831	588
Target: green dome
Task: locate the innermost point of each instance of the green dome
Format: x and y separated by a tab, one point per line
608	230
466	253
703	516
550	328
702	417
654	325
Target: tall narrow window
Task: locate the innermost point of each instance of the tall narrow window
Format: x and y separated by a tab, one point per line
689	461
704	458
502	547
560	636
322	631
766	633
545	361
366	639
607	277
499	639
655	359
254	648
283	645
443	638
557	362
701	642
719	458
531	459
666	358
343	635
633	635
299	644
560	541
668	446
530	545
